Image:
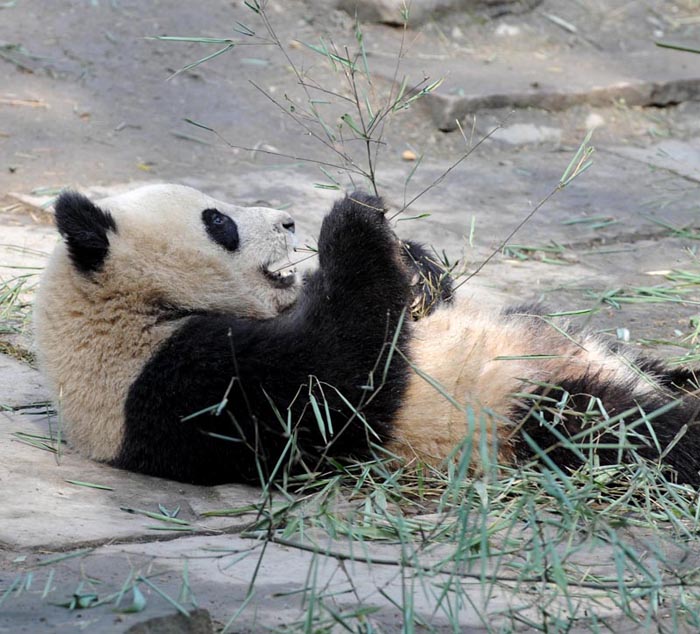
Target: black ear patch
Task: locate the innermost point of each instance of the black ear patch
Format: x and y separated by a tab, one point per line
221	228
84	227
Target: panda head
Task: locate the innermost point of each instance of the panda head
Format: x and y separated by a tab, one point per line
172	247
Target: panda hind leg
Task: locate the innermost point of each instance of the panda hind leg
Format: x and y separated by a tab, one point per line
681	380
569	410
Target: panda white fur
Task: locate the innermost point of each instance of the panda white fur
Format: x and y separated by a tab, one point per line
173	349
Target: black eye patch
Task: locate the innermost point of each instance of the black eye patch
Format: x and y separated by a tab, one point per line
221	229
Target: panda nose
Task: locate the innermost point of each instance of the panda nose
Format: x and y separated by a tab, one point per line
288	225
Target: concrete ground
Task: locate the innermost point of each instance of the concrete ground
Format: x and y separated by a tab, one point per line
87	100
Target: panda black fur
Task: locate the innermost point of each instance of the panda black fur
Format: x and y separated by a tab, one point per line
173	350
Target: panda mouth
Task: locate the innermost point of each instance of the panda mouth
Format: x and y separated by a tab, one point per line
278	275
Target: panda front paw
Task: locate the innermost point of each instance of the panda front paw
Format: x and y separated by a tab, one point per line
356	231
431	282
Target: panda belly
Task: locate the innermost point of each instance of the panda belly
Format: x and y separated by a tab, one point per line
469	366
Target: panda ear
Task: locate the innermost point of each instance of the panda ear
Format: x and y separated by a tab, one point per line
84	227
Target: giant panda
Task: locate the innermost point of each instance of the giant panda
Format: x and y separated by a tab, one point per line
175	348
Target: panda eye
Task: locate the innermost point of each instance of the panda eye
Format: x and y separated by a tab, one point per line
221	228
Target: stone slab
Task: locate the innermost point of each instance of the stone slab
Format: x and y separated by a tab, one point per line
253	587
549	82
678	156
498	194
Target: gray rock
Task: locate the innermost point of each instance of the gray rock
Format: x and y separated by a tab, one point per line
391	12
527	133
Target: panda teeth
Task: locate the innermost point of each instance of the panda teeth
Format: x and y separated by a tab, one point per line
283	276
